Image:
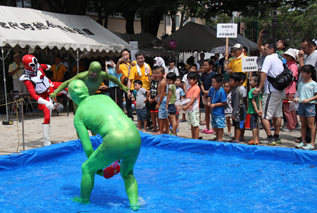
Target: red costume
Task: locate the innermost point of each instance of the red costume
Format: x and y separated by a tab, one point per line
40	88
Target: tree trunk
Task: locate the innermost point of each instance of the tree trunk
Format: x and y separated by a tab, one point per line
129	21
151	23
173	17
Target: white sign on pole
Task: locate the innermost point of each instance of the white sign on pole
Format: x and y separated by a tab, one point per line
134	48
249	64
227	30
133	45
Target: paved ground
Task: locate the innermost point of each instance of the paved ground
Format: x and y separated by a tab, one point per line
62	130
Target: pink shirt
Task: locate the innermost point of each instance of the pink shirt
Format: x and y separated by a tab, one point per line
293	67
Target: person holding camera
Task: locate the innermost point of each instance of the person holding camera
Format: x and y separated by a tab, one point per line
123	67
115	92
15	71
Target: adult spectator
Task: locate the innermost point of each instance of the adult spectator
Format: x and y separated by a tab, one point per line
171	66
115	92
58	70
123	67
81	68
245	51
15	71
202	59
261	58
307	47
290	56
272	100
235	65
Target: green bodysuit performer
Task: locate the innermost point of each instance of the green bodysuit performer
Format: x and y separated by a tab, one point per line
121	140
92	78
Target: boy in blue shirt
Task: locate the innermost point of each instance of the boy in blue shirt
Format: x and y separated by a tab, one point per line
217	101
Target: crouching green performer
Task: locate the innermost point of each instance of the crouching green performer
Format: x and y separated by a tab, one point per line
121	140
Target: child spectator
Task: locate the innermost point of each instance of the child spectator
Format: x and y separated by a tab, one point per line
217	102
161	102
206	80
254	109
193	94
228	107
307	90
141	110
245	101
171	99
186	85
152	96
237	106
180	94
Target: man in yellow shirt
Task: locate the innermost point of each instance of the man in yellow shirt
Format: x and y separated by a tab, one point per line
58	70
141	71
235	65
81	68
124	66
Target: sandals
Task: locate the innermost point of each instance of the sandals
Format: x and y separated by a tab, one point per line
228	134
298	140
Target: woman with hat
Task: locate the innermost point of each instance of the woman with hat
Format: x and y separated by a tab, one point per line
290	56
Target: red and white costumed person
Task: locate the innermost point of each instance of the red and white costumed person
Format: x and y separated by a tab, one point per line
40	88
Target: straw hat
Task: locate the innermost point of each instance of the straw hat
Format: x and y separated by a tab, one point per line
15	55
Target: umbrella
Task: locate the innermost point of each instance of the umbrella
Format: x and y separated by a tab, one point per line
221	49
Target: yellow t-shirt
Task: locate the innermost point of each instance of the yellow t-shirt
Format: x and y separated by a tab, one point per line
12	67
81	69
144	78
59	73
236	66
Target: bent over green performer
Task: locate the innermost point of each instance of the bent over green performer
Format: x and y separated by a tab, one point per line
121	140
92	78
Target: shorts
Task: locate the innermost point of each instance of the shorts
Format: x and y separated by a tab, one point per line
218	122
162	110
142	114
238	124
172	109
193	117
253	121
152	106
228	115
306	110
272	105
205	101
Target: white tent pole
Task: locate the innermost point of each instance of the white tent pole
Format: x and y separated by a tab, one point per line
4	81
77	59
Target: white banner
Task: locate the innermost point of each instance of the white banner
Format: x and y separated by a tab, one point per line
227	30
249	64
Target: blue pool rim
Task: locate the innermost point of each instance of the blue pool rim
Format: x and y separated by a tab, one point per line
48	153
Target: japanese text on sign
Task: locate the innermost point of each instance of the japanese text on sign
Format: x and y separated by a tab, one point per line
249	64
227	30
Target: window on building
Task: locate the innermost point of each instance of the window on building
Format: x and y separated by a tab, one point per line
192	19
177	20
186	21
168	20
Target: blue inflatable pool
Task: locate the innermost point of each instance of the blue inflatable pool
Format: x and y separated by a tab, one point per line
173	174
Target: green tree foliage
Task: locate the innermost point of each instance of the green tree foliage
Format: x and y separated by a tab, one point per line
294	24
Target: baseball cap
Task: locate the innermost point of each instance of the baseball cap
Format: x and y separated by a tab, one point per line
237	46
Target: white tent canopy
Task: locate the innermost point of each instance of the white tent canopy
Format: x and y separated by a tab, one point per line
29	28
34	28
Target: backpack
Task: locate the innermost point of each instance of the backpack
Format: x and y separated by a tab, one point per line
283	80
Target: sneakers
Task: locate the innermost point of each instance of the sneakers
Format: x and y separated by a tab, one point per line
309	147
252	142
299	146
269	141
285	130
210	131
